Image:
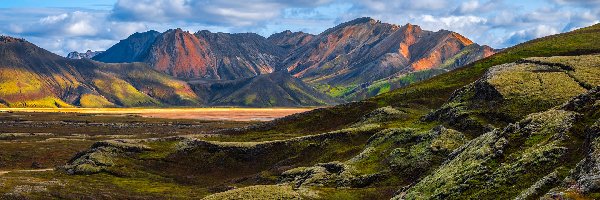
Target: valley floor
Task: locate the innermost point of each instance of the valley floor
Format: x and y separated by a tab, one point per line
217	113
34	143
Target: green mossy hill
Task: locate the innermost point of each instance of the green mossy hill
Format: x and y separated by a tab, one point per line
215	164
258	192
583	69
381	115
101	156
527	157
508	92
392	156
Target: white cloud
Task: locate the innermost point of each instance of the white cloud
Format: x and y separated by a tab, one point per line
227	13
531	33
469	6
454	21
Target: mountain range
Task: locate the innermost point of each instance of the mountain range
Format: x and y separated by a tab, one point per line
352	61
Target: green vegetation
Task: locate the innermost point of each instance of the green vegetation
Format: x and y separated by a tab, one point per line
257	192
17	81
46	102
94	101
337	92
123	92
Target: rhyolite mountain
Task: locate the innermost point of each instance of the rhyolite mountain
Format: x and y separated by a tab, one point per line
33	77
88	54
353	55
344	61
214	56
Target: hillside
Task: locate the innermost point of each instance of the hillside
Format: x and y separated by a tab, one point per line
34	77
267	90
521	124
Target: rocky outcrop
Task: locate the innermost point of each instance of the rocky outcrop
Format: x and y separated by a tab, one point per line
471	168
548	142
333	174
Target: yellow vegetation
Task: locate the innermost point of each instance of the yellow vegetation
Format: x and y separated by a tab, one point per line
94	101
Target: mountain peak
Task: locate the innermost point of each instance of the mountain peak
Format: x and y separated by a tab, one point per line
463	39
138	34
177	30
8	39
362	20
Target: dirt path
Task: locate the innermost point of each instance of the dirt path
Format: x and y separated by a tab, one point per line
28	170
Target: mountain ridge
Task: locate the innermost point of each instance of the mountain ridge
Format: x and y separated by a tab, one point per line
33	77
341	61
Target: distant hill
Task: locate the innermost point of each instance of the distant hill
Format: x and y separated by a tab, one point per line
88	54
267	90
133	49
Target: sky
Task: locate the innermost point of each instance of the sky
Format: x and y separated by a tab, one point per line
62	26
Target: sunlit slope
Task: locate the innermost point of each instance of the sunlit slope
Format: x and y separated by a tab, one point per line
33	77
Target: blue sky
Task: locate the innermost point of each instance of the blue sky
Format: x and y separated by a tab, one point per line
62	26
